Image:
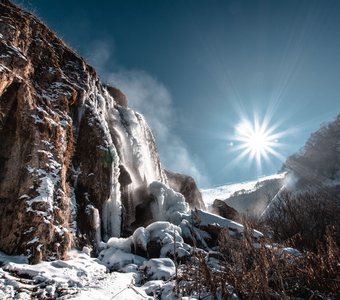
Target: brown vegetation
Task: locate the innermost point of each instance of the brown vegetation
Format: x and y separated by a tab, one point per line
301	219
269	269
262	271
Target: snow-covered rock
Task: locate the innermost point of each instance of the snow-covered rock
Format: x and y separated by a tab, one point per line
116	259
205	220
80	277
168	205
159	268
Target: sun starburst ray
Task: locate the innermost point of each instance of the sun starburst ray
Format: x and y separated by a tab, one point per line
258	141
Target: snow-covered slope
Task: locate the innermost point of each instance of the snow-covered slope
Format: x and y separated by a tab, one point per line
236	192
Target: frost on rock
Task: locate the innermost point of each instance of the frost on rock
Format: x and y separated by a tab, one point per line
73	213
42	205
49	178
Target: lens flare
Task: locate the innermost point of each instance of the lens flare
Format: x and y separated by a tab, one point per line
257	141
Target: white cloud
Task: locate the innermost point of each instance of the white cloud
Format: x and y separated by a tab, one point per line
150	97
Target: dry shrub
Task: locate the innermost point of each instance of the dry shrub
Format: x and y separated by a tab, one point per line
302	219
259	270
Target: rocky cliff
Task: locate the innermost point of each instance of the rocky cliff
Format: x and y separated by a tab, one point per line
318	161
75	161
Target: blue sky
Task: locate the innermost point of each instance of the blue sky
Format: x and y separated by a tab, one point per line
196	69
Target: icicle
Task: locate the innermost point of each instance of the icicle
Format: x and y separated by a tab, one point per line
96	223
73	213
103	107
112	208
149	167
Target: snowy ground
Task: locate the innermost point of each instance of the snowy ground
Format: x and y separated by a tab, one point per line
225	191
80	277
139	277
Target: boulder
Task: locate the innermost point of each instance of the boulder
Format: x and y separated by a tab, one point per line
222	209
186	185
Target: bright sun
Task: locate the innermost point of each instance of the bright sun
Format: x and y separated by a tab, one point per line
256	140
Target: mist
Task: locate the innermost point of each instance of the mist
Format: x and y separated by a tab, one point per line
150	97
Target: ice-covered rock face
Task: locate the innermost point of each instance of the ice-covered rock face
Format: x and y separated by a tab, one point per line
168	205
74	164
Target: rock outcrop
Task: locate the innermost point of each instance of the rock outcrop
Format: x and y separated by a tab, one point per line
222	209
75	162
186	185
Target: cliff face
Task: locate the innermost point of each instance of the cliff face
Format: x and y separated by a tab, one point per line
74	162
